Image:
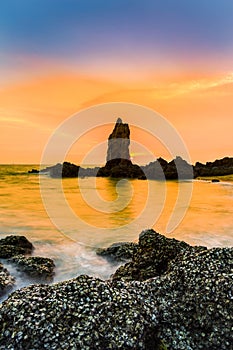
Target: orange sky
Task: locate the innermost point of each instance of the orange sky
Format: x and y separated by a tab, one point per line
199	107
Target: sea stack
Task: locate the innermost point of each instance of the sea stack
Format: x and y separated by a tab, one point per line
118	145
118	163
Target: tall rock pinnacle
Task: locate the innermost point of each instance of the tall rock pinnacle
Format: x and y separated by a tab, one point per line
118	163
118	145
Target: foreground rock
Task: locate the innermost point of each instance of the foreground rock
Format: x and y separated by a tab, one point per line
14	245
117	252
6	280
37	268
84	313
196	302
152	256
187	304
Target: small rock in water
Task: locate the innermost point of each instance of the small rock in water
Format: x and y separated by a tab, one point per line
14	245
38	268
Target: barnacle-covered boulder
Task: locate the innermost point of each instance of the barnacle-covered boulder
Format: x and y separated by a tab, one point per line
37	268
14	245
118	252
6	280
152	256
83	313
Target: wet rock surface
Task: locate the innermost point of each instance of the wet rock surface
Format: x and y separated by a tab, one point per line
14	245
187	304
6	280
12	252
37	268
84	313
152	256
196	302
121	251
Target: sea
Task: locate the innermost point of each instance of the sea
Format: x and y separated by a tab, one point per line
68	219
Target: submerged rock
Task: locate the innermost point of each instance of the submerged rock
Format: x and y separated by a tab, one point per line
14	245
6	280
38	268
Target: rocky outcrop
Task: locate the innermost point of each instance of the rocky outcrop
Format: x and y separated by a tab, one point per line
152	256
83	313
6	280
14	245
178	168
118	145
118	163
186	305
219	167
121	251
69	170
13	250
37	268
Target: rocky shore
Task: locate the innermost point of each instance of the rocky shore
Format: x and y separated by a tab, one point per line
16	251
168	295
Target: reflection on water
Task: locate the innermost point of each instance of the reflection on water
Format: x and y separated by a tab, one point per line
101	211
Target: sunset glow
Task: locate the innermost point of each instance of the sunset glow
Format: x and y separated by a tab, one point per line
173	57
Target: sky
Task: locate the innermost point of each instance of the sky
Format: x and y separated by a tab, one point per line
58	57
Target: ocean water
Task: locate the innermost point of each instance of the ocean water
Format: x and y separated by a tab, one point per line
67	219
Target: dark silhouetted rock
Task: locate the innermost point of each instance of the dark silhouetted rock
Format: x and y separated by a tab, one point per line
178	168
118	145
118	163
38	268
33	171
219	167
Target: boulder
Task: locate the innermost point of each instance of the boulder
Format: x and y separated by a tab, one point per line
121	251
14	245
152	256
38	268
83	313
6	280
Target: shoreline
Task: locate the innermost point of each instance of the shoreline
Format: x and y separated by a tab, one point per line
154	298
